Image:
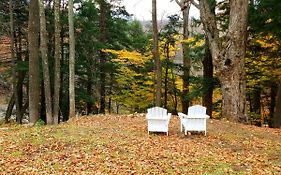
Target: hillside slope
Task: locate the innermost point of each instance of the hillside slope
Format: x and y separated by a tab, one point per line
113	144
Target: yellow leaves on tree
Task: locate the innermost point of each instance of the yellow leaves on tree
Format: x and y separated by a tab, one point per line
268	43
194	42
128	57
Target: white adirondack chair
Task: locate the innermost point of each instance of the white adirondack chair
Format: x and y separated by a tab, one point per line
158	120
196	120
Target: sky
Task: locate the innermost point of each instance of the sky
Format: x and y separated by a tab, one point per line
141	9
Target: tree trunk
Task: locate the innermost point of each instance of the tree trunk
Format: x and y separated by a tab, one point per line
64	92
10	108
257	101
12	47
20	76
273	95
174	112
277	112
185	7
208	81
102	29
110	93
228	55
45	62
155	52
257	107
89	92
71	60
186	61
166	76
33	47
57	62
14	73
20	83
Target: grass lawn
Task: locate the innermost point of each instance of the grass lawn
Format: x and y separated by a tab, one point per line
119	144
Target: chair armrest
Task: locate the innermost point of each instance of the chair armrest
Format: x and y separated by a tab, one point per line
169	115
182	115
147	116
198	116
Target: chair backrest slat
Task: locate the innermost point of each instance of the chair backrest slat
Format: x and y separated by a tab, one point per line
196	110
157	112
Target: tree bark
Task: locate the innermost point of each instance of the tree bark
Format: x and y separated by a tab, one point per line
20	82
155	52
175	111
57	62
166	48
102	29
10	108
185	7
208	81
110	92
277	112
20	75
71	60
89	92
33	47
186	61
45	62
228	56
14	72
273	95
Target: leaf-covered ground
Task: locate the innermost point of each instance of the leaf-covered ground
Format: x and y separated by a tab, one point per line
120	145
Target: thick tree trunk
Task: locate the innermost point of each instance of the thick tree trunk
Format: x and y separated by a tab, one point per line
155	52
71	60
33	47
45	62
208	81
56	98
228	56
277	112
102	28
234	107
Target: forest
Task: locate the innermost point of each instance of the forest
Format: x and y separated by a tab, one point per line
78	78
60	59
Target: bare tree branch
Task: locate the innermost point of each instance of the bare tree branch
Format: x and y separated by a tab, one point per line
194	3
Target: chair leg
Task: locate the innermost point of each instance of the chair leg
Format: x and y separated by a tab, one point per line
185	132
167	133
181	127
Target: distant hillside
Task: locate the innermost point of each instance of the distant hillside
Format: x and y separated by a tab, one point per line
5	52
5	63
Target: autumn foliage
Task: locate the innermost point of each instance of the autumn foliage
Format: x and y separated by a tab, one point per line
119	144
